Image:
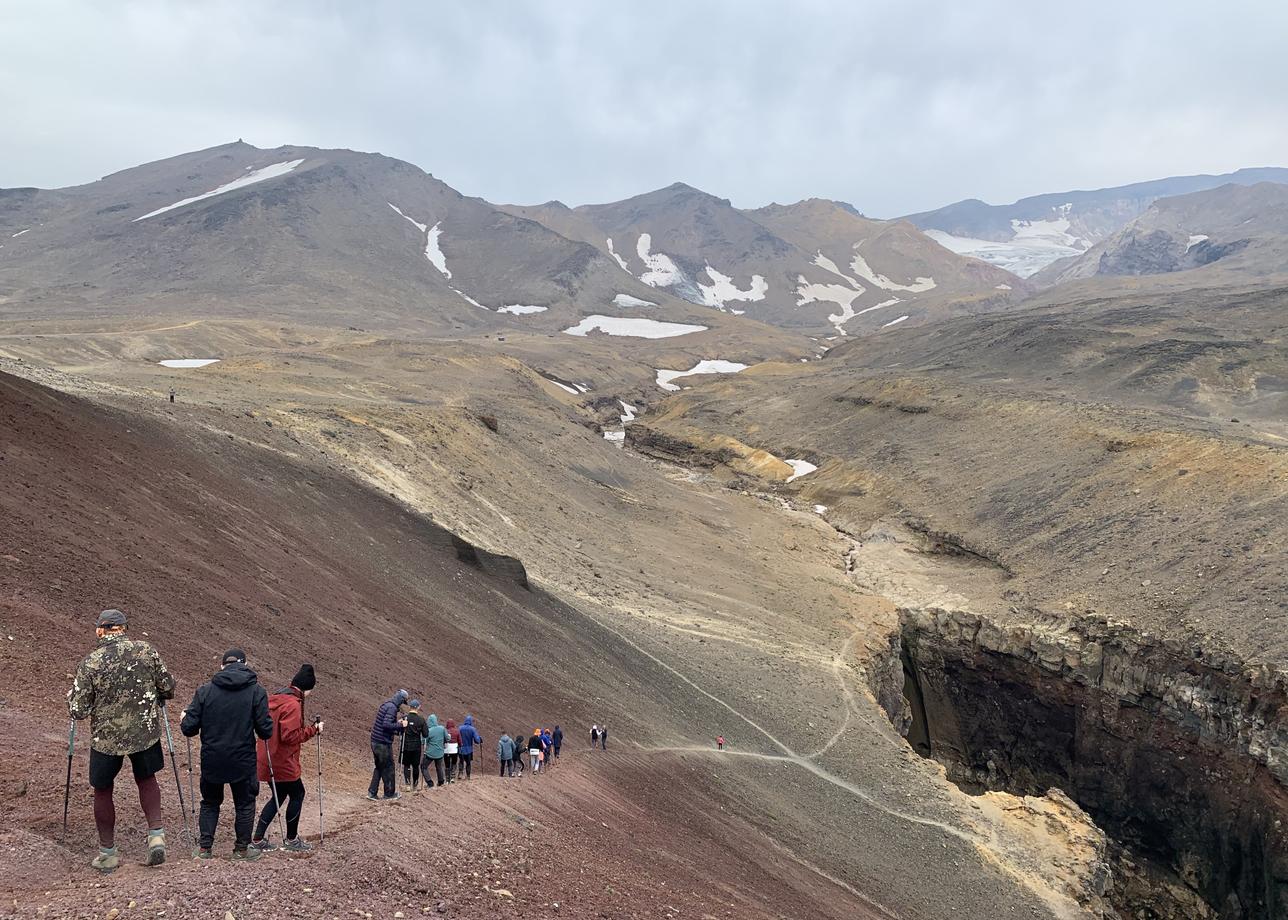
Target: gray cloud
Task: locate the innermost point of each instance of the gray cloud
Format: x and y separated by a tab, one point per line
894	106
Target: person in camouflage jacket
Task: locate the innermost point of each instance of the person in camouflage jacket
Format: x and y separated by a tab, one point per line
119	687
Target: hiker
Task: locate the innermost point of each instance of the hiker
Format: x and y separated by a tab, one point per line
413	738
469	737
719	742
118	687
386	725
505	754
517	762
547	745
435	740
603	737
594	735
228	712
557	739
451	749
171	394
534	750
279	761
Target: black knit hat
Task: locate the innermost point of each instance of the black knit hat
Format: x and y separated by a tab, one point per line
304	678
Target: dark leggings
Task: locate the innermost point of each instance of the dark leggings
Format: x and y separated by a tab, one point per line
451	766
105	809
292	793
411	771
438	769
466	761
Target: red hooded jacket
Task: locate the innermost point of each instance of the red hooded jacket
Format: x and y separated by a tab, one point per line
289	733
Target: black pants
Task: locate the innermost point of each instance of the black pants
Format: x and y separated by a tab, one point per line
451	765
291	792
411	766
466	761
507	768
212	798
383	755
438	769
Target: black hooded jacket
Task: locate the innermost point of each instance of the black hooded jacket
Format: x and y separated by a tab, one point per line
228	713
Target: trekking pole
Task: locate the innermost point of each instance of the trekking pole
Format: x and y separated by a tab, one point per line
272	782
169	742
67	788
192	799
321	822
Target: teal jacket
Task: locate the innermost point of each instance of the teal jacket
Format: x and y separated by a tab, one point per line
435	735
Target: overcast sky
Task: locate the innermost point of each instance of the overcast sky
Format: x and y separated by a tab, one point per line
894	106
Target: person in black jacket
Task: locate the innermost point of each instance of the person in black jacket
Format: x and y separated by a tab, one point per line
413	738
228	712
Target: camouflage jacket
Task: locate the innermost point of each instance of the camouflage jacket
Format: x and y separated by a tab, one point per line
118	687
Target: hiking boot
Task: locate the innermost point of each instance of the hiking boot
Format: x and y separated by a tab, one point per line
106	861
264	845
156	849
297	845
393	798
372	798
246	855
205	853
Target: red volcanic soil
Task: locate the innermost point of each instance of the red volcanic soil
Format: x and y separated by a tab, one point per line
210	541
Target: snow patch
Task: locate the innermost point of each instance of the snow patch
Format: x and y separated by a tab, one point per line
799	468
1195	239
28	230
468	299
885	303
626	300
637	327
628	414
620	261
664	377
520	309
820	509
662	272
615	435
844	297
432	250
563	386
258	175
1002	287
863	270
895	322
722	290
188	362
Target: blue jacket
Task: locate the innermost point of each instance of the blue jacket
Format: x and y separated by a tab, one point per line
505	748
386	724
469	736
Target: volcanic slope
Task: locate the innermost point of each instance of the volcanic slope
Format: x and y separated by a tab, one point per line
1030	234
215	529
297	234
814	266
1088	559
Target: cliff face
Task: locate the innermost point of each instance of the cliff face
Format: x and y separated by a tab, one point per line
1179	753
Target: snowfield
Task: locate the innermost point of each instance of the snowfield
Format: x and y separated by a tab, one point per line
1195	239
620	261
722	290
1034	244
799	468
252	177
432	250
861	268
520	309
636	327
626	300
664	377
811	292
662	272
628	413
188	362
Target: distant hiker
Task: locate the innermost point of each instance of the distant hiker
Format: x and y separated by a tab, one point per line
451	749
413	741
435	741
594	735
534	750
557	738
228	712
547	745
171	394
505	754
386	725
118	687
520	745
286	707
469	737
719	742
603	737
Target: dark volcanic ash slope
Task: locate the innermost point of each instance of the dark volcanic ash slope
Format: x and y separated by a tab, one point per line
296	233
814	266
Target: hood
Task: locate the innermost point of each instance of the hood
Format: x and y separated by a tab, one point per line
234	677
505	736
469	720
451	724
433	719
401	697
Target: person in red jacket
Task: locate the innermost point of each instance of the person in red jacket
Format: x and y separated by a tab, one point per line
289	734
